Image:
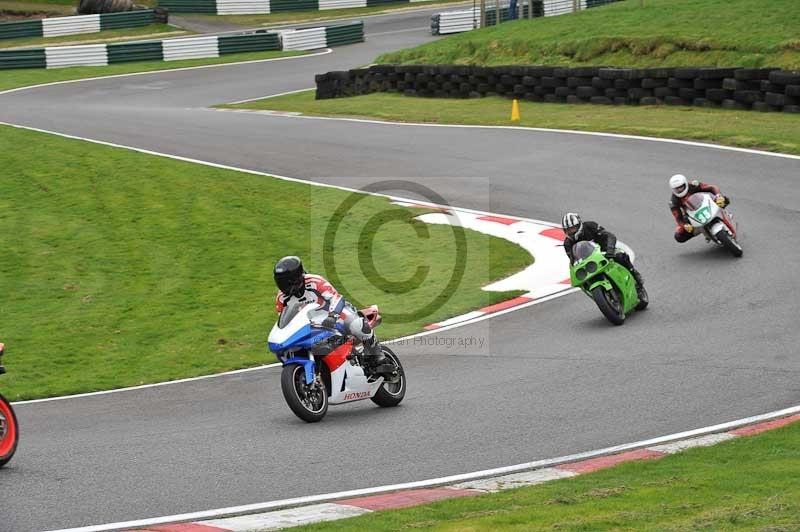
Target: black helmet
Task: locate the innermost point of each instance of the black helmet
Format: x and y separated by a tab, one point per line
288	274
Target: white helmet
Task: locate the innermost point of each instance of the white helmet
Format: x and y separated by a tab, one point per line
679	185
572	224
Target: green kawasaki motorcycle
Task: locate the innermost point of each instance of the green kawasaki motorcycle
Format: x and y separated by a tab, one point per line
610	285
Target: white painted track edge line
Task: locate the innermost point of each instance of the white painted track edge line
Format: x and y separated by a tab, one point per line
144	386
166	70
452	479
544	130
270	96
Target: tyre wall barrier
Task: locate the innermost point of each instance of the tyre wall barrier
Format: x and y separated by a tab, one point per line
469	19
58	26
183	48
248	7
761	89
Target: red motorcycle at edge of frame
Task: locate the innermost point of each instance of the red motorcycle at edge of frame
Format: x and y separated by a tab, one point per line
9	429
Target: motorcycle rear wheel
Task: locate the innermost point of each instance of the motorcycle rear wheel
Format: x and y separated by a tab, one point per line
730	243
309	403
610	304
391	393
9	431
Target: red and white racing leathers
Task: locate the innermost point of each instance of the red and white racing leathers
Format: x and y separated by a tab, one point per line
320	291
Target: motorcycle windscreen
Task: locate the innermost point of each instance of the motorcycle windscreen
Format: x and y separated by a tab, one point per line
289	312
582	249
695	201
293	308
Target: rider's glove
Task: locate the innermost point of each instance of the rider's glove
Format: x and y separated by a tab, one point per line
720	200
610	254
689	228
329	322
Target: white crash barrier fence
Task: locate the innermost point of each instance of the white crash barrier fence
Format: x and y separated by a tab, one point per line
69	56
243	7
54	27
341	4
194	48
309	39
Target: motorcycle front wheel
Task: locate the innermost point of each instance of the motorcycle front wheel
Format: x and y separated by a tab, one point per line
9	431
391	393
644	299
610	304
730	243
309	402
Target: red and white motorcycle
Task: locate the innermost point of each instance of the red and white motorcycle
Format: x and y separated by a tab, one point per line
9	429
323	366
716	223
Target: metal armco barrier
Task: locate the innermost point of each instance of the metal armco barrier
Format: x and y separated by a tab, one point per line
68	56
341	4
242	7
23	58
342	34
183	48
759	89
310	39
467	19
135	51
195	6
194	48
234	44
54	27
313	38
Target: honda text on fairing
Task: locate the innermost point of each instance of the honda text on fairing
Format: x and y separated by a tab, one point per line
9	429
612	286
323	366
716	223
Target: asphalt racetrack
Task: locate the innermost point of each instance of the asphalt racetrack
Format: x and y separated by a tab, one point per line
719	341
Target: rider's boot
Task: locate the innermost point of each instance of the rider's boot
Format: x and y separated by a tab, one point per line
374	357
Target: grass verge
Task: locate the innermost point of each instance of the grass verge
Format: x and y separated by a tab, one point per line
662	33
779	132
150	31
120	268
746	484
311	16
20	9
32	9
13	79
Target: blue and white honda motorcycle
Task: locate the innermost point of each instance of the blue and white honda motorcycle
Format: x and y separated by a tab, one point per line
323	366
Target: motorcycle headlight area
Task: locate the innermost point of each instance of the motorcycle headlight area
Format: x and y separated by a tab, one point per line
580	274
283	356
591	267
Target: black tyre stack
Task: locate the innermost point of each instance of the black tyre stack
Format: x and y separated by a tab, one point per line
762	89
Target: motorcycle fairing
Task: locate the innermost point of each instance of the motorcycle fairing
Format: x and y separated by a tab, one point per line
308	366
304	338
